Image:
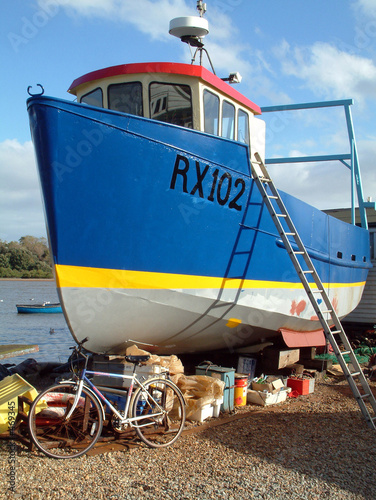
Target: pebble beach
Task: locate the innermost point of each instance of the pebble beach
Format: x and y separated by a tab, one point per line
313	447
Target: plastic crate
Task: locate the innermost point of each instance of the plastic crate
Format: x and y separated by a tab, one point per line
203	413
266	398
247	365
101	364
10	388
300	385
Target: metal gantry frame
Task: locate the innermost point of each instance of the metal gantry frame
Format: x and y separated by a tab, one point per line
350	160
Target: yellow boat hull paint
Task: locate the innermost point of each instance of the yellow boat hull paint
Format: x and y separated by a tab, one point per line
88	277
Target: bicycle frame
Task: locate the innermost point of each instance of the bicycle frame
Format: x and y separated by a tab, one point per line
133	379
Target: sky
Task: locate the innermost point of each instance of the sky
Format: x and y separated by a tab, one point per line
287	52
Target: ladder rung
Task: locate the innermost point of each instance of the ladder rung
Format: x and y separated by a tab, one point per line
298	253
354	374
280	215
290	234
344	353
335	331
264	179
273	197
317	291
364	396
307	272
327	311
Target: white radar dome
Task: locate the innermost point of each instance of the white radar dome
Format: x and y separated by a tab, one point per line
191	26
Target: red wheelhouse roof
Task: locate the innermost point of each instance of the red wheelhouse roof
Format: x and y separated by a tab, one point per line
172	68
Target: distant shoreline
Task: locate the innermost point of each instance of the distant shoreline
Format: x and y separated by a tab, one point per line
27	279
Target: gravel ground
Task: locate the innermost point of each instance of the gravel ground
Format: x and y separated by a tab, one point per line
313	447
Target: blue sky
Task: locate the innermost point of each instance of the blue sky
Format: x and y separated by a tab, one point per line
287	52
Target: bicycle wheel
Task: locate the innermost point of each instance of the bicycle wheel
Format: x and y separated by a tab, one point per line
162	407
57	436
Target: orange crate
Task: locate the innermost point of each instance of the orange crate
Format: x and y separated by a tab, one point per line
300	385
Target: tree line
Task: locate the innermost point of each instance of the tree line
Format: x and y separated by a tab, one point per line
28	257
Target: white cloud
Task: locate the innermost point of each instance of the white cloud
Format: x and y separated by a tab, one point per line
220	25
330	72
327	185
148	16
152	17
21	211
367	6
229	55
324	185
367	155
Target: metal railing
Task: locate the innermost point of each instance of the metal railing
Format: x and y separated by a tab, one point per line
350	159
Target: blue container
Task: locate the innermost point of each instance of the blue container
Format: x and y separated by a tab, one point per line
140	408
225	374
247	365
117	400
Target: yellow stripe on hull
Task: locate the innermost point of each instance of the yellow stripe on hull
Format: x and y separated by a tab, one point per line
90	277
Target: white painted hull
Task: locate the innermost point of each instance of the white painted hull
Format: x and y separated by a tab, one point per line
178	321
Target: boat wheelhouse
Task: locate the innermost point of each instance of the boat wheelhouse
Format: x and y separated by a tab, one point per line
181	94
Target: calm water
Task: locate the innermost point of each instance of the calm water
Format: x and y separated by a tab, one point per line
33	328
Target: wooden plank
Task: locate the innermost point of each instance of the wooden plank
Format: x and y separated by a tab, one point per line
12	350
275	359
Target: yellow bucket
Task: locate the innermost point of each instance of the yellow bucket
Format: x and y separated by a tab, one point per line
240	390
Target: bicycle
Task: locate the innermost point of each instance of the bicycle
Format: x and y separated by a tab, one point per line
66	420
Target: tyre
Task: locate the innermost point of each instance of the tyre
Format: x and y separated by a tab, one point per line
162	408
54	434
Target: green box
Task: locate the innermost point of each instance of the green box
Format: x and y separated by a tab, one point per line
225	374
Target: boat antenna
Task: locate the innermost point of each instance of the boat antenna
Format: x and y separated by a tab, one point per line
192	30
201	7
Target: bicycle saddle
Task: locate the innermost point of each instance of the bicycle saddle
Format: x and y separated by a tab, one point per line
137	359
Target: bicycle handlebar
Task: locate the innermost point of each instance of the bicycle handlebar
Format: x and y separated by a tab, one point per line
77	349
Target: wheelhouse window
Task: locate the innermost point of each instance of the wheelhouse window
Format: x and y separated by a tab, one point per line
211	112
171	103
93	98
228	120
126	97
243	126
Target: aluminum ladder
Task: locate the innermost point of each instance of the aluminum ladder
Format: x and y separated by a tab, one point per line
314	289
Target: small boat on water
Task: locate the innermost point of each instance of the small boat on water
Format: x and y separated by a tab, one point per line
158	232
45	307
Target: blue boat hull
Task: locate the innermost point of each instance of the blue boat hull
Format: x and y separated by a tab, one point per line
39	309
159	235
